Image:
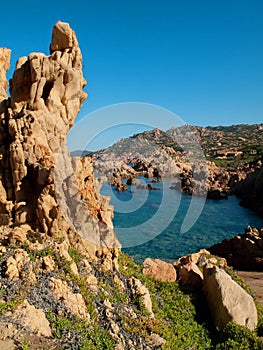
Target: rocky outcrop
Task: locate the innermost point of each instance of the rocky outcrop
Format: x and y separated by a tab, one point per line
39	185
190	275
186	271
230	160
243	252
200	259
250	189
159	269
201	179
138	289
72	301
33	318
4	66
18	265
228	302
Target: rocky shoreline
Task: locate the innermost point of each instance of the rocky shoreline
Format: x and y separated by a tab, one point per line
136	156
65	284
244	251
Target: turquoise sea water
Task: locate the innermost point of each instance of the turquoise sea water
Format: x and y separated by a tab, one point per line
149	223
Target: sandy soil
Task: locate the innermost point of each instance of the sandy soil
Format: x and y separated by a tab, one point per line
255	281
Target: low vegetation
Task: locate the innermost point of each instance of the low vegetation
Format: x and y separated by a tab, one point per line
183	319
181	315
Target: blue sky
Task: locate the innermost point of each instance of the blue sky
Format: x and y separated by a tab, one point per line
203	60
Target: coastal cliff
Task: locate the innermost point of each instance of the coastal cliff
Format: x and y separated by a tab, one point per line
230	161
64	282
250	190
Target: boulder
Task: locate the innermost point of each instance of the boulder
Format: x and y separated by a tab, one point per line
63	37
190	275
227	300
32	318
200	258
159	269
156	340
133	181
48	263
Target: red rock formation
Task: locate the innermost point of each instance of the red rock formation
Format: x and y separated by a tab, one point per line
243	252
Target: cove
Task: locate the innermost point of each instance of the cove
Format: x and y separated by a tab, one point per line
138	218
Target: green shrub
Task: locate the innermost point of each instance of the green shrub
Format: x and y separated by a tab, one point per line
238	337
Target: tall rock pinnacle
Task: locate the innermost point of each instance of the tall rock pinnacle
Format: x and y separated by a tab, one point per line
4	66
46	93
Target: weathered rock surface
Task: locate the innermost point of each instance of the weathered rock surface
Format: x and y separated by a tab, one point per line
200	258
139	289
78	299
4	66
190	275
37	177
72	301
228	302
18	265
156	340
243	252
159	269
33	318
250	189
12	337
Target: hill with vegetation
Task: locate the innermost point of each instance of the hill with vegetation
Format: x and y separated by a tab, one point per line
227	146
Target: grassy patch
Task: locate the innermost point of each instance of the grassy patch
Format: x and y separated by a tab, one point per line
235	337
182	318
8	306
75	256
90	336
175	313
25	345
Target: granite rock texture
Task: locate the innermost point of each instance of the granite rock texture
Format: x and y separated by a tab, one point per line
39	183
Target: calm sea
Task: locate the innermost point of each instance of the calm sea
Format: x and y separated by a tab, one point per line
166	224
